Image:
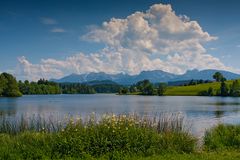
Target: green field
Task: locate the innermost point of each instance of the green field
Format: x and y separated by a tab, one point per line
192	90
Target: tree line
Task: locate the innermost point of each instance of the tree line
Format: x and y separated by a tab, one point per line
76	88
144	87
42	86
10	87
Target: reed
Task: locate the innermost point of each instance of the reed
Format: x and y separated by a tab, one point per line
112	136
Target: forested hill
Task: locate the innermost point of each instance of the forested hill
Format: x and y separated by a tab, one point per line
9	87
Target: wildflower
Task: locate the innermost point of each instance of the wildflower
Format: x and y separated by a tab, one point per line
126	128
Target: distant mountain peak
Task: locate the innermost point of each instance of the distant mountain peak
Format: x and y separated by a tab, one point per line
154	76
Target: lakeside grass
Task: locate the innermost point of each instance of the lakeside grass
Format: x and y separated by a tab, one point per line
115	137
110	137
221	155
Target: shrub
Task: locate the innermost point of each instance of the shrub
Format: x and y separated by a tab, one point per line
223	137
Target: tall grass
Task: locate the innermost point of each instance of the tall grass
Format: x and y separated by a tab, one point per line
223	137
110	136
37	123
34	123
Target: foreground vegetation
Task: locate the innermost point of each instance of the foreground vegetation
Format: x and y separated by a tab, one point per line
114	137
110	137
214	155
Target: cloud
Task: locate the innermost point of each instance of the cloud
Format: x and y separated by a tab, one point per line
155	39
213	48
48	21
58	30
238	46
27	70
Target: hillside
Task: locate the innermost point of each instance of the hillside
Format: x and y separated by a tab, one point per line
193	90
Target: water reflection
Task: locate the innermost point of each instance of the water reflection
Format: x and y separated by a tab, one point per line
219	113
8	106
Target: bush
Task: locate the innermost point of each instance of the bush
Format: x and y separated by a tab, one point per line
223	137
121	134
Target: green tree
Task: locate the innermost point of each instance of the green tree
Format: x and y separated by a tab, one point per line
161	89
133	89
145	87
210	91
148	90
224	89
235	89
3	84
218	76
123	90
11	87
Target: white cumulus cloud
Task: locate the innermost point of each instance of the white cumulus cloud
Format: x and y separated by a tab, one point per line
155	39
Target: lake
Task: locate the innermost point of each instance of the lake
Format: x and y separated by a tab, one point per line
200	112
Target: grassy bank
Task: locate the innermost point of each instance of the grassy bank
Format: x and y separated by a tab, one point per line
109	137
221	155
193	90
114	137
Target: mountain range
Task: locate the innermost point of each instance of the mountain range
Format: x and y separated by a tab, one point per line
154	76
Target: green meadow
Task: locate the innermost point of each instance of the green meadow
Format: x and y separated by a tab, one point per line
193	90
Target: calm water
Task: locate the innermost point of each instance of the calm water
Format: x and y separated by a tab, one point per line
199	112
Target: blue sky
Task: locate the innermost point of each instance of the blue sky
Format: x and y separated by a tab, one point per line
46	34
